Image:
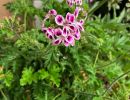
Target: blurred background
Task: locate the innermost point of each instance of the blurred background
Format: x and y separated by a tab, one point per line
3	11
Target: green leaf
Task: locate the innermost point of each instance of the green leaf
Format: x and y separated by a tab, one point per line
27	76
8	78
97	98
122	15
43	74
54	75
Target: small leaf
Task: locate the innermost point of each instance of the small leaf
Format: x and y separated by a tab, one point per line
8	79
43	74
54	75
27	76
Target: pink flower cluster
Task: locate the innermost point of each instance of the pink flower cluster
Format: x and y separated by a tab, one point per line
72	2
67	30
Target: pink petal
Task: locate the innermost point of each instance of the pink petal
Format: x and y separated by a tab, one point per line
67	16
70	18
73	43
78	2
81	21
59	19
66	43
50	37
52	12
58	32
65	31
70	2
79	26
72	27
70	39
50	31
77	35
44	30
81	2
57	41
76	12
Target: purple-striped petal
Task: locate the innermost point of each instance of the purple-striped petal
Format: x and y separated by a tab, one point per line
50	37
66	43
72	27
58	32
77	35
79	26
57	41
81	21
70	39
52	12
76	12
70	2
59	19
78	2
50	31
44	30
70	18
65	31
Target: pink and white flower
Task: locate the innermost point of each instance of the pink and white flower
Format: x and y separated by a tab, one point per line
59	19
68	28
73	2
70	2
78	2
52	12
58	32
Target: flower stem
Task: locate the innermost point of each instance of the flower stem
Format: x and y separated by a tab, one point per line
117	79
25	21
5	98
96	59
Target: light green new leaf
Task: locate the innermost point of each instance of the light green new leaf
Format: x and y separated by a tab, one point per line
54	75
27	76
43	74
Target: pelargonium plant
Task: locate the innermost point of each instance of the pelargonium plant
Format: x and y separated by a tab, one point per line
67	30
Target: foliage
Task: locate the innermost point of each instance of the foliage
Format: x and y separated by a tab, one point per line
96	68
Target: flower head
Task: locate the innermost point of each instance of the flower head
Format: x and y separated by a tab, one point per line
67	29
59	19
52	12
74	2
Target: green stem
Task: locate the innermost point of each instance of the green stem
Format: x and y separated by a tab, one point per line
106	65
5	98
57	96
25	21
46	95
117	79
96	59
75	97
114	9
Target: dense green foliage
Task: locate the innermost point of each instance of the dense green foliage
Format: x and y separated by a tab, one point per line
96	68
